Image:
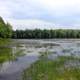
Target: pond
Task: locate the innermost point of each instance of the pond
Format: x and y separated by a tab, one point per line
20	56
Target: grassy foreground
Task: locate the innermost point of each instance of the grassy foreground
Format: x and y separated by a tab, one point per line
53	70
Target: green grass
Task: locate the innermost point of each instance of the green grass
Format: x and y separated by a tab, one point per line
52	70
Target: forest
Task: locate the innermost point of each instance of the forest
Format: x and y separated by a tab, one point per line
45	34
5	29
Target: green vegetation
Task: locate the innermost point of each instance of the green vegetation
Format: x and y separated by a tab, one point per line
19	53
53	70
4	42
5	54
45	34
5	29
9	54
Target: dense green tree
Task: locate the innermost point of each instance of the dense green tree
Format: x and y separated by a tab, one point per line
46	34
8	30
5	29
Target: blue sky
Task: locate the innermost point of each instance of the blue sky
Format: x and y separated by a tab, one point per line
38	13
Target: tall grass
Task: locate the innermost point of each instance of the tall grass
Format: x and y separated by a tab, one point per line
52	70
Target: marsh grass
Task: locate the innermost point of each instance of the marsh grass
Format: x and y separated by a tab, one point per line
4	42
6	51
51	70
7	55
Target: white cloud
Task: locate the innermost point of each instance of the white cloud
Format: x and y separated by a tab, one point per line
57	11
53	7
4	10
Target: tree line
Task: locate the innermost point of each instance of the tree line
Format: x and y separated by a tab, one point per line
5	29
45	34
7	32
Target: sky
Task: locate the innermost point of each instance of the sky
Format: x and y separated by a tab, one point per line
49	14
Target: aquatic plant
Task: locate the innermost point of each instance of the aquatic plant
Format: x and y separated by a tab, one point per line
51	70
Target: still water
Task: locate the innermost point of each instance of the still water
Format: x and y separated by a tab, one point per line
20	54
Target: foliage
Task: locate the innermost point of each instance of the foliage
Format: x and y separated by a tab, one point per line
5	29
46	34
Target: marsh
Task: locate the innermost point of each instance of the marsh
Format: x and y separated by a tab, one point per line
20	56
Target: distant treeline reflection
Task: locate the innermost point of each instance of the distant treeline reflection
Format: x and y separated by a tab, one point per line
46	34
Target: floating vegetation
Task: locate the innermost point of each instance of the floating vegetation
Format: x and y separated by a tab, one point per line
45	53
20	53
67	50
29	51
50	44
38	46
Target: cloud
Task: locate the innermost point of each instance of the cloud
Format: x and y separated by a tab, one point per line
62	12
